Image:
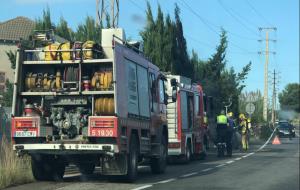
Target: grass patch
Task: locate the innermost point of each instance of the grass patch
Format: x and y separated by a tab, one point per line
13	170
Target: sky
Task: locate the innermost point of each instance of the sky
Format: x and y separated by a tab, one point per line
202	21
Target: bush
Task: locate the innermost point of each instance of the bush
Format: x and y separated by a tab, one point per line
13	170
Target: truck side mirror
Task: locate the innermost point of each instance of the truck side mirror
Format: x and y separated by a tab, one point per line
174	94
166	99
173	82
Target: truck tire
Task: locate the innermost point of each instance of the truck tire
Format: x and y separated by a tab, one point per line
87	169
58	171
46	168
132	159
158	165
188	153
40	171
203	154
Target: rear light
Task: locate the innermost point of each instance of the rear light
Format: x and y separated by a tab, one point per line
174	145
25	123
103	123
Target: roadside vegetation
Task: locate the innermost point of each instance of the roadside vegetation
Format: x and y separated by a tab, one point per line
13	170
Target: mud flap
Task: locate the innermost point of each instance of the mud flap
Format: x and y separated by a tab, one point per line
155	150
116	165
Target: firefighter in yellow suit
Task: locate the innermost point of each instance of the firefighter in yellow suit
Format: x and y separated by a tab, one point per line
245	131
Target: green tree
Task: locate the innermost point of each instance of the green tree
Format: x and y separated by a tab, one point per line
88	31
169	49
12	58
44	23
289	98
183	65
63	30
8	94
225	85
148	34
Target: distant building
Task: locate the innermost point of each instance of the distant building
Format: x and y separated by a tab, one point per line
10	33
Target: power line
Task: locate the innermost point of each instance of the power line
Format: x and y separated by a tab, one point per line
201	19
136	5
242	17
204	21
237	19
209	24
199	42
258	13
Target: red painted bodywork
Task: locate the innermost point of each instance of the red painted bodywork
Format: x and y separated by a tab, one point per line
198	130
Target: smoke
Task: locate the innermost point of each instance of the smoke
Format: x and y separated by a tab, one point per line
138	19
287	115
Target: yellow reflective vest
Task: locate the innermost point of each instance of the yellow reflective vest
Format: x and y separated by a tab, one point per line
221	119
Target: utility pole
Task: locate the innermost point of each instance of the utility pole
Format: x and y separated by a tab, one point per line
266	53
275	81
114	12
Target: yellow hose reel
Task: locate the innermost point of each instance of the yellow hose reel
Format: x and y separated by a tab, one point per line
102	80
104	106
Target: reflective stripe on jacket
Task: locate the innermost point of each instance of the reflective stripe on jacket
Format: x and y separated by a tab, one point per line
221	119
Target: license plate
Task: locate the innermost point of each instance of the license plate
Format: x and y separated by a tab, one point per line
25	134
102	132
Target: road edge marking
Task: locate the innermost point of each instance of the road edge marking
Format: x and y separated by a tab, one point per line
143	187
189	174
206	170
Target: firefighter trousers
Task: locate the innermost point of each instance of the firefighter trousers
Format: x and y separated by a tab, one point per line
245	141
221	133
229	134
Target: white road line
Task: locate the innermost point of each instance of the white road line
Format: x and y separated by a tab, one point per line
165	181
220	165
190	174
142	187
229	162
72	175
263	146
207	169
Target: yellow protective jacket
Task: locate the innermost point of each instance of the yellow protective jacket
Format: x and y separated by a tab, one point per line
244	127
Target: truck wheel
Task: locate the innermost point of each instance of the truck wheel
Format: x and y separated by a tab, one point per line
158	165
203	154
39	169
132	160
86	169
46	168
58	171
187	155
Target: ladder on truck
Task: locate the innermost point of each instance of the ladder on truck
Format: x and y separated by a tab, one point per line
172	121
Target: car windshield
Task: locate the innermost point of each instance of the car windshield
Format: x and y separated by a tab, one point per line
284	126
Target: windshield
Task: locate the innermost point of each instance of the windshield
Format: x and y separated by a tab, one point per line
284	126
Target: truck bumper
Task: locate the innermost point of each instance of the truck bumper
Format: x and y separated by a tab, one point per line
174	151
108	149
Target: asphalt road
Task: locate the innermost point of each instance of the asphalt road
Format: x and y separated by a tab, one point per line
263	167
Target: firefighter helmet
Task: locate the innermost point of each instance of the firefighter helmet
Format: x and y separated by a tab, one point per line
242	116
